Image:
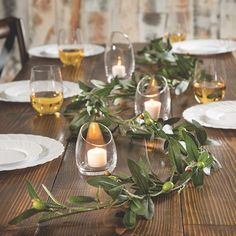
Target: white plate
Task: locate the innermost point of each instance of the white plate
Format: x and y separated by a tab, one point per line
51	50
18	91
204	47
220	115
16	151
50	149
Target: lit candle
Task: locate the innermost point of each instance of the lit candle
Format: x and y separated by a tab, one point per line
153	108
119	69
94	134
97	157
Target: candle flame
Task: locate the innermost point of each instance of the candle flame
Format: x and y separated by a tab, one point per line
94	134
152	86
119	62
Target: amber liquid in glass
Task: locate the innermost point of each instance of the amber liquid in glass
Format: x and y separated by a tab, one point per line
177	37
71	56
47	102
206	92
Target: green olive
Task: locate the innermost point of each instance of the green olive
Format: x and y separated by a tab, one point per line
167	186
200	164
38	204
148	121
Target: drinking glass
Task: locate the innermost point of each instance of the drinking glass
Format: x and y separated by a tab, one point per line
209	81
95	150
119	56
46	89
153	95
70	46
176	26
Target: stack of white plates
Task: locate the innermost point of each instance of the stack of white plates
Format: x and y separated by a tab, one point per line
19	91
220	115
18	151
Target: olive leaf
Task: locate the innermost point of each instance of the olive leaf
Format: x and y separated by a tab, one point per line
129	219
81	199
139	176
26	214
31	191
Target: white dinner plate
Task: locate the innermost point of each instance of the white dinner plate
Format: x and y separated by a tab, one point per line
51	50
16	151
18	91
220	115
50	149
204	46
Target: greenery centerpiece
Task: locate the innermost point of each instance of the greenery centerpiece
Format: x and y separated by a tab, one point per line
134	193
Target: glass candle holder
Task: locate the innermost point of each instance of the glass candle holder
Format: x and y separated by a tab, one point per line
209	81
95	150
153	95
46	89
119	57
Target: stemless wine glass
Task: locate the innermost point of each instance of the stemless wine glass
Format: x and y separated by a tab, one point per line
70	46
176	26
46	89
95	150
209	81
153	95
119	56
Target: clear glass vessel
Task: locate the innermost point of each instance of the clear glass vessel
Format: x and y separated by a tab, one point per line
46	89
119	56
95	150
153	95
209	81
70	46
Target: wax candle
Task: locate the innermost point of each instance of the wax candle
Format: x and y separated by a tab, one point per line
119	69
153	108
97	157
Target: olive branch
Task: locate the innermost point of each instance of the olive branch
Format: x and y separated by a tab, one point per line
184	147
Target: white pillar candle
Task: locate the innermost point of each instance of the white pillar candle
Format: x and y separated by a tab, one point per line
97	157
119	69
153	108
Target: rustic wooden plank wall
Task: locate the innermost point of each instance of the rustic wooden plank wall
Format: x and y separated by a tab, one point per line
140	19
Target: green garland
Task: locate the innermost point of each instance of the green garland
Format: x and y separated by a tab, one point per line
184	147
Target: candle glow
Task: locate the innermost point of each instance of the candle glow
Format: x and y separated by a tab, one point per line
97	157
118	69
153	108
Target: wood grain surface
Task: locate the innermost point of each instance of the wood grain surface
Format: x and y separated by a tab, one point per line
207	211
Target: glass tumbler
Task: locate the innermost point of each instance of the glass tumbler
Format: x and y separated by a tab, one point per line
95	150
153	95
70	46
209	81
46	89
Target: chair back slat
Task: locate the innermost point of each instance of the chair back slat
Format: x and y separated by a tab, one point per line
11	28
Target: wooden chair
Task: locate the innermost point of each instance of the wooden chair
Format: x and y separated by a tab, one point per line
11	28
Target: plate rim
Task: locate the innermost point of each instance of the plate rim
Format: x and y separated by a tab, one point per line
175	46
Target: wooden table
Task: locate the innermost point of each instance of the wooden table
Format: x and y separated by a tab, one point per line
209	211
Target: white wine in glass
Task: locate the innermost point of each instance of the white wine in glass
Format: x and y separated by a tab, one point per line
46	89
71	51
209	82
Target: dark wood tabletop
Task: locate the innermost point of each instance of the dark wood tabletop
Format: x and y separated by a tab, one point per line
207	211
